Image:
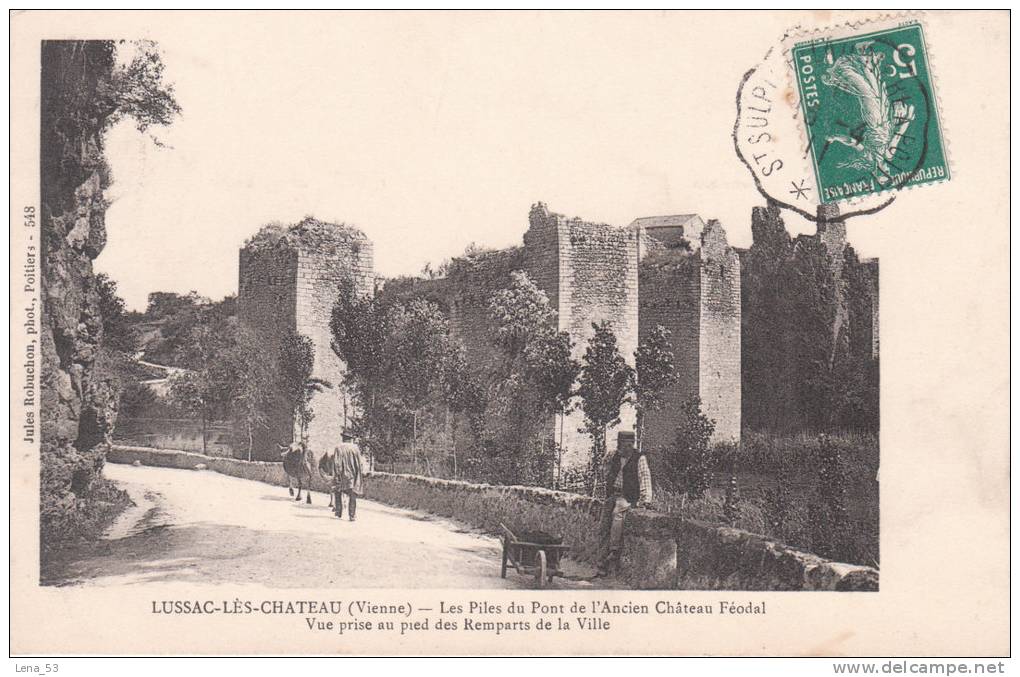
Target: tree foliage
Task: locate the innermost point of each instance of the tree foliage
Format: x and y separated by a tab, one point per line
119	333
397	356
225	366
188	327
829	517
249	381
688	461
403	367
807	360
520	315
360	328
137	90
297	385
464	388
604	387
531	381
115	365
654	371
605	378
419	345
85	92
195	393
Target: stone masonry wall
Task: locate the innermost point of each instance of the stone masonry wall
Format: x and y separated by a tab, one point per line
542	256
695	294
289	280
831	232
719	343
471	283
872	265
321	271
266	302
670	285
590	273
464	295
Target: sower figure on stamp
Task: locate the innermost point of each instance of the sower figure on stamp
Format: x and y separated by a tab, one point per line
347	477
628	484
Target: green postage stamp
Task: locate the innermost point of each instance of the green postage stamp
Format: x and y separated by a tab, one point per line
870	111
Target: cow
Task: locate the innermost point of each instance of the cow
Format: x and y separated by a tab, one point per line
298	462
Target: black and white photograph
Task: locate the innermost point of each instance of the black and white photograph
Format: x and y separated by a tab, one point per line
525	332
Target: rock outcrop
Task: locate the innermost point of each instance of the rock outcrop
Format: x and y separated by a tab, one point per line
84	91
78	409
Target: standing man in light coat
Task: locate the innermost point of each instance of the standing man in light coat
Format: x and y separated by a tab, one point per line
347	477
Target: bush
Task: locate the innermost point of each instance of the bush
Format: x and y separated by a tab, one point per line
830	522
512	464
817	494
746	514
762	452
688	460
579	479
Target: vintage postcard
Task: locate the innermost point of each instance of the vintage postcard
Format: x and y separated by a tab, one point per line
416	333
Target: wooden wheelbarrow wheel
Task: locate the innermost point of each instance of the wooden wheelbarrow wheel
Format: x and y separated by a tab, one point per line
541	569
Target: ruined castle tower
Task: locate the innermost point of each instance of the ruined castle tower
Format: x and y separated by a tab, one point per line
774	382
290	277
690	284
590	273
831	232
872	266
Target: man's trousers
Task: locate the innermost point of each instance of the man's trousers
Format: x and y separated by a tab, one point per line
614	511
338	502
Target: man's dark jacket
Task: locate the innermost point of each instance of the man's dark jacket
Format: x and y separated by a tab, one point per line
631	482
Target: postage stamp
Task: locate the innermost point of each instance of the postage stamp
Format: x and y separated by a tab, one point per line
869	111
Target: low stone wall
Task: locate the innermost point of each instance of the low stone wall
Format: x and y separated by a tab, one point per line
259	471
485	506
714	557
661	551
176	435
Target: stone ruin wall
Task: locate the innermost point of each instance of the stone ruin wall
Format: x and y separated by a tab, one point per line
267	303
670	293
872	265
695	294
590	273
464	296
719	354
469	288
294	285
320	272
832	233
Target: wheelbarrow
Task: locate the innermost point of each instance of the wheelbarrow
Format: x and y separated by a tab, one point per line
533	554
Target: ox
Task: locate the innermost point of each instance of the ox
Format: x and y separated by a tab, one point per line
298	462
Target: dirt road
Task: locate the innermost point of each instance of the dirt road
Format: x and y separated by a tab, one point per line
203	527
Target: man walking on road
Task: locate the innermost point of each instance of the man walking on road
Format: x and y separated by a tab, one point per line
347	477
628	483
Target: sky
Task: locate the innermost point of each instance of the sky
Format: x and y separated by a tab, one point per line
428	132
